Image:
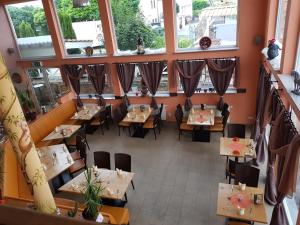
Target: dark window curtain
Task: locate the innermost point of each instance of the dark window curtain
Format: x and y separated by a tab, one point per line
189	74
74	73
97	74
126	76
220	72
151	73
258	133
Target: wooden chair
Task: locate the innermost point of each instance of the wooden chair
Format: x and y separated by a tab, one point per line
246	174
230	170
79	163
102	159
72	142
123	162
100	121
220	127
182	126
118	119
152	124
219	119
152	117
108	113
179	108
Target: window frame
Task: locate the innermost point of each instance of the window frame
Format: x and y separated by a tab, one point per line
278	21
12	28
297	63
198	49
79	56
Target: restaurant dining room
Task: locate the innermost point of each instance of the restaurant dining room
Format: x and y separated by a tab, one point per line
149	112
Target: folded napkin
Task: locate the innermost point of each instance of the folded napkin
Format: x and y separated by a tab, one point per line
121	173
109	191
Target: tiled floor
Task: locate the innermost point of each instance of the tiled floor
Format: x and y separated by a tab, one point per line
176	181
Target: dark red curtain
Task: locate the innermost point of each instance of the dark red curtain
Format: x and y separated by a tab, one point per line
151	73
189	72
97	74
126	76
74	73
220	72
258	133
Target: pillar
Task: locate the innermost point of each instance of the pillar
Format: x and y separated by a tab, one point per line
15	125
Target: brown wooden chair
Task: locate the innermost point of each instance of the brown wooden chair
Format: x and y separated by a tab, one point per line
179	108
118	119
79	162
100	121
182	126
102	159
246	174
230	170
81	133
220	127
152	125
219	119
123	162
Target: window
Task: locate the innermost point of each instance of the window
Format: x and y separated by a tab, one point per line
133	18
31	29
281	15
47	85
215	19
136	87
80	27
205	85
87	89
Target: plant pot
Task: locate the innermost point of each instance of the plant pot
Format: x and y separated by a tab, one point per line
87	215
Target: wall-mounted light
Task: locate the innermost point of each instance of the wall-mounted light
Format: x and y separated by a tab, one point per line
80	3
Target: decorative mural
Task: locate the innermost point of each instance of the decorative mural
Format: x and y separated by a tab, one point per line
14	122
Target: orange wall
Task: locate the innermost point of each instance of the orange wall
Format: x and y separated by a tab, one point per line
252	21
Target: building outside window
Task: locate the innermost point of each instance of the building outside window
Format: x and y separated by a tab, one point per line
80	27
31	29
137	85
215	19
281	16
48	85
87	89
205	85
133	18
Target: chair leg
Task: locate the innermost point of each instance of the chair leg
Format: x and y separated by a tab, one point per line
229	180
87	144
154	133
179	132
129	131
102	131
125	197
119	131
107	125
132	184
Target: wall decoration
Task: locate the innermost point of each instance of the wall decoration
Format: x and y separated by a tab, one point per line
296	76
205	42
12	117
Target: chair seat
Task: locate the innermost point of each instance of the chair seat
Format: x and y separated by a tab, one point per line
218	120
151	118
149	125
185	126
216	127
78	165
184	119
120	215
124	124
96	122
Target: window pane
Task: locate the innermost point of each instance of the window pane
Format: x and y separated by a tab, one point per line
281	15
87	88
133	18
31	29
216	19
47	85
81	27
298	58
137	82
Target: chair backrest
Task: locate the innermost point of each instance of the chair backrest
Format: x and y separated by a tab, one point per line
224	109
123	109
225	118
246	174
161	109
178	116
123	161
117	116
75	155
108	111
102	159
236	130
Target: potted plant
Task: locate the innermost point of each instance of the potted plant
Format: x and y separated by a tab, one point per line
27	104
92	198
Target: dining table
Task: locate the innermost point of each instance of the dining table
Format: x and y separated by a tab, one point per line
63	132
237	148
201	119
138	116
114	183
55	159
87	112
243	204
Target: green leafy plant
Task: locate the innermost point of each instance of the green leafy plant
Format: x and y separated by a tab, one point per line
91	195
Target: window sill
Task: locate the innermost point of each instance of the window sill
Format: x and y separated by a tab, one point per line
84	56
229	91
134	53
215	49
159	95
92	96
